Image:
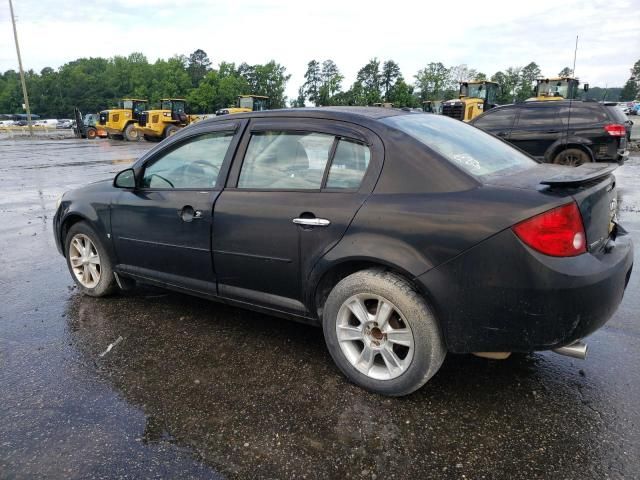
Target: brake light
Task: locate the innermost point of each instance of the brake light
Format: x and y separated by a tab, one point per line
615	130
558	232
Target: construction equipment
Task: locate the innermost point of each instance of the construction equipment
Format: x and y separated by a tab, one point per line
557	88
121	122
155	125
247	103
474	98
87	126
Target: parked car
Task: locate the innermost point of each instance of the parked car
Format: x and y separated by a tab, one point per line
65	123
48	122
404	235
562	132
624	108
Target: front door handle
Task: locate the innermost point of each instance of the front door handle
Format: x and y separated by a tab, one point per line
188	214
312	222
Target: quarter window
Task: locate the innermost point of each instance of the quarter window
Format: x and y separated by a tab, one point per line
193	164
349	165
286	160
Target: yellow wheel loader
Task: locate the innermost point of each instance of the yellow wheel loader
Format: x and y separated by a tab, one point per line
474	98
247	103
155	125
121	122
557	88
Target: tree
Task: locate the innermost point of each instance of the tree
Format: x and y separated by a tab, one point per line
331	82
390	73
401	94
528	76
508	82
197	66
432	81
565	72
368	79
631	89
313	82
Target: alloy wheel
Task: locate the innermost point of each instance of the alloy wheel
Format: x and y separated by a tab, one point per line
84	260
374	336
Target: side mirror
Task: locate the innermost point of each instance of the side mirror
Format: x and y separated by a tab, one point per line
125	179
585	87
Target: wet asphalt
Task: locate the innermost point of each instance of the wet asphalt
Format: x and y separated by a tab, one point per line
199	390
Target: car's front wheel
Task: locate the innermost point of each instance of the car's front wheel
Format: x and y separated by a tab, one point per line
381	333
88	261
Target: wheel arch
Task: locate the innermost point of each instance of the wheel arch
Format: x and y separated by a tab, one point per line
67	222
329	275
572	142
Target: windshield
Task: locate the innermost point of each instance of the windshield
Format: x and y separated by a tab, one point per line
246	102
553	88
126	104
473	90
471	149
166	105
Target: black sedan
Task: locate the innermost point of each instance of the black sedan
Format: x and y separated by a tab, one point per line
404	235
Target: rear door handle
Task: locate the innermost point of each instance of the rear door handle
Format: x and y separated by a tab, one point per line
312	222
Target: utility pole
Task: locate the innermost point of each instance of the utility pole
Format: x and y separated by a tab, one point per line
24	84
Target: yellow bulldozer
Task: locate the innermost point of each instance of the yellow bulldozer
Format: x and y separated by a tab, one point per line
121	122
474	98
247	103
154	125
557	88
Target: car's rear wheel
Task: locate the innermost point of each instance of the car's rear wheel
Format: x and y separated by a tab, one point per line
381	333
88	261
572	157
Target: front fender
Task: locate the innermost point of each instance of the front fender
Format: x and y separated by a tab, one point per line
95	213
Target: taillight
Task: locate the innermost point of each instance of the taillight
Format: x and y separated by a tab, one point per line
615	130
558	232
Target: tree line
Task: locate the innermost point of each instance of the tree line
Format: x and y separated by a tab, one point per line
93	84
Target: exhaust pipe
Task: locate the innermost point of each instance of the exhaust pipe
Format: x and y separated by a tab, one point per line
575	350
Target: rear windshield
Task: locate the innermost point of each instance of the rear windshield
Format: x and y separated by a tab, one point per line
616	113
471	149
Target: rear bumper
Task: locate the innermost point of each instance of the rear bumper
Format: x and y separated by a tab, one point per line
503	296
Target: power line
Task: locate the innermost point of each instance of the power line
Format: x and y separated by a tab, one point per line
24	84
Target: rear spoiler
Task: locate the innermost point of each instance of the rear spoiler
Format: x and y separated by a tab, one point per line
583	174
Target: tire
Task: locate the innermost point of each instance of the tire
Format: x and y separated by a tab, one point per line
77	262
92	133
170	130
149	138
572	157
417	351
130	133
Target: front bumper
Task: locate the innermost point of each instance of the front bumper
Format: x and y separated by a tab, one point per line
503	296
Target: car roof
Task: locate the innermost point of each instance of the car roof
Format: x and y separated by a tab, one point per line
347	114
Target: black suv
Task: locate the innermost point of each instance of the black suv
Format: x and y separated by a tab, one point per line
563	132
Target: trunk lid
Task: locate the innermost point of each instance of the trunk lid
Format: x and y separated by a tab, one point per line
592	186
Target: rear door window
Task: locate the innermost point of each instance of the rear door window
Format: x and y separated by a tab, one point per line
538	117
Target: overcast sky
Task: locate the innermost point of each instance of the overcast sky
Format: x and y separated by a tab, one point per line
487	35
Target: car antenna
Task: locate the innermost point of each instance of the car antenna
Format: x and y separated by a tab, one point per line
573	73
